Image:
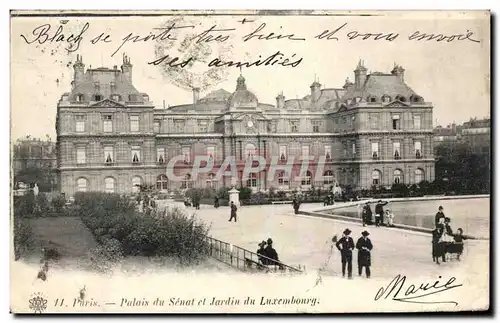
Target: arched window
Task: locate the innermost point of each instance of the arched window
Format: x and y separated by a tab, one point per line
328	177
306	180
161	182
419	175
398	176
283	180
401	98
211	182
250	150
376	176
252	180
81	184
187	182
136	183
416	98
109	185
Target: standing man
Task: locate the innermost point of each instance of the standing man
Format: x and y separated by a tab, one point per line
367	214
364	246
379	212
233	211
439	215
346	246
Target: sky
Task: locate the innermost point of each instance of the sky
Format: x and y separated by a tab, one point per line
454	76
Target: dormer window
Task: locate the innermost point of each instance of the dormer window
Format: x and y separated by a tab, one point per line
386	99
98	97
145	97
79	97
373	99
115	97
415	98
401	98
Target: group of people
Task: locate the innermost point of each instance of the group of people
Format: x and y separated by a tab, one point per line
346	246
444	240
381	217
146	203
267	254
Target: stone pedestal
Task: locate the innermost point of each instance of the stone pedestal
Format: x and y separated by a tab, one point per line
234	196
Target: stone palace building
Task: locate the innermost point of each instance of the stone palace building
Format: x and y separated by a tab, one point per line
373	131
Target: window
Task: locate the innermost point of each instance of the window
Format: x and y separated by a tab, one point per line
160	155
416	122
316	124
179	125
80	155
250	150
186	152
161	182
211	182
115	97
376	177
80	123
306	180
81	184
396	150
187	182
418	149
328	177
136	154
134	123
373	118
375	154
294	125
156	126
98	97
354	148
108	123
252	180
373	99
419	175
305	151
283	179
344	146
79	98
328	152
211	153
396	125
109	185
136	184
386	99
108	155
283	155
202	126
398	176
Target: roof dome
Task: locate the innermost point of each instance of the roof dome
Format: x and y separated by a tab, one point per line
242	97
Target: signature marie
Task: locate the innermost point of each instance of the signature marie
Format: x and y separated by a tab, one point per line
416	293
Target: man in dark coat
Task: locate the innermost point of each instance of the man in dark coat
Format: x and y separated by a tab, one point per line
367	214
437	248
233	211
439	215
216	202
296	205
364	246
270	252
379	212
262	252
346	245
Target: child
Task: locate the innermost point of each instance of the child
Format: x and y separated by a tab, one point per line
390	218
459	242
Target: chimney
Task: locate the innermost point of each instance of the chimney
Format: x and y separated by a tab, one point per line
127	68
348	85
399	71
315	91
360	75
280	101
79	68
196	95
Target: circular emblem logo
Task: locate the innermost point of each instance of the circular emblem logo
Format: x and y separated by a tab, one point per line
38	303
250	124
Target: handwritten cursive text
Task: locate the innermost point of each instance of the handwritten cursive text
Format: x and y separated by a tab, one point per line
42	34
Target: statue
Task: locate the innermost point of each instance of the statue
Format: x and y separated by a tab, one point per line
35	190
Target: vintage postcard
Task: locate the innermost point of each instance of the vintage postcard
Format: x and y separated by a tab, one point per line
250	161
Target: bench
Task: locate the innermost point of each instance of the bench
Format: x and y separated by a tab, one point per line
250	262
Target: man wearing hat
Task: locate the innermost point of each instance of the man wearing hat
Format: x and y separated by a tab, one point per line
233	211
346	246
262	252
270	252
439	215
364	246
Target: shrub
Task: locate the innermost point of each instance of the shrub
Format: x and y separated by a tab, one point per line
58	203
170	232
223	193
24	205
245	193
23	238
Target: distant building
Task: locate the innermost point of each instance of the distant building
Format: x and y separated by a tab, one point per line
449	133
477	133
34	153
374	131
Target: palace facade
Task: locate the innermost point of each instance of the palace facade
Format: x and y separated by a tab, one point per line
373	131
